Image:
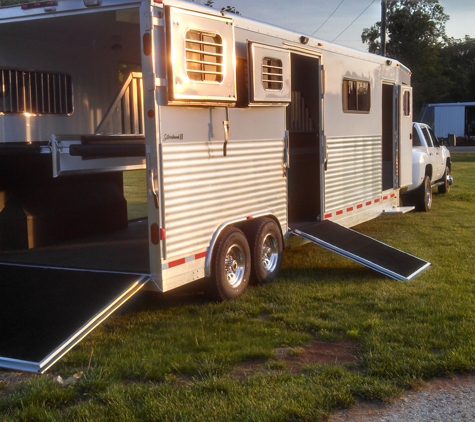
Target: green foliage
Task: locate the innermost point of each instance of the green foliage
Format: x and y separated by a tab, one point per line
443	68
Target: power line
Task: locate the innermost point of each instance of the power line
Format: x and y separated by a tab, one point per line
314	32
341	33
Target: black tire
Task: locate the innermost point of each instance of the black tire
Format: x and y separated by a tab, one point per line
265	240
445	188
425	195
231	265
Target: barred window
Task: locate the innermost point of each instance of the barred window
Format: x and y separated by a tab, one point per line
204	56
272	74
356	96
27	91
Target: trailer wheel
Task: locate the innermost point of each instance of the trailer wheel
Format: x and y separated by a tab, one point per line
445	188
425	196
266	245
231	265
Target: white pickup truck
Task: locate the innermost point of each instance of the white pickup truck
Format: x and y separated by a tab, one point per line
431	166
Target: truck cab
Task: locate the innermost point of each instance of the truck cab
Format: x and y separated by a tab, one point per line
431	167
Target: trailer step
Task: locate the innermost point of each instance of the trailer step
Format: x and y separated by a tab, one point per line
44	312
365	250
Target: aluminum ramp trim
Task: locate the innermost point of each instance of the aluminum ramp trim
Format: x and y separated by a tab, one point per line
44	312
363	249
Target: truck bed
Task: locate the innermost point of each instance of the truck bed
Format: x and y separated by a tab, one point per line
124	251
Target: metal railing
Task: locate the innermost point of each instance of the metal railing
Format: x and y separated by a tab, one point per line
125	115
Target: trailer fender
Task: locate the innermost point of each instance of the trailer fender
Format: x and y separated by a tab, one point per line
235	222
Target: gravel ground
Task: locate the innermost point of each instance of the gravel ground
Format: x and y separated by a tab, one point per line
447	400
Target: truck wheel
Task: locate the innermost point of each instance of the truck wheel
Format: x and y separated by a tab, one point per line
425	203
266	244
231	265
445	188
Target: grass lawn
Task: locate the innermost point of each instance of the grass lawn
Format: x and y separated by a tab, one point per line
178	357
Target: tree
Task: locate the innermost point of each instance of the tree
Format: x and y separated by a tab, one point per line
416	36
458	63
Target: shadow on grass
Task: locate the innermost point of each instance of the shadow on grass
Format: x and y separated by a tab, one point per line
194	294
331	275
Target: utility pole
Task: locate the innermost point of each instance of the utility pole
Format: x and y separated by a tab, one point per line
384	6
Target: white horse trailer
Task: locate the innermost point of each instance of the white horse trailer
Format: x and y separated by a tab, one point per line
252	137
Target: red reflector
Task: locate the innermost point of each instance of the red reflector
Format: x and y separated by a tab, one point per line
36	4
151	113
147	44
155	233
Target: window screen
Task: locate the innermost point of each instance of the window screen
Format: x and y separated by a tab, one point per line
27	91
204	56
356	96
272	74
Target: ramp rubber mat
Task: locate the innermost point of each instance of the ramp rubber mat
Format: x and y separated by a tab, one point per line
44	312
380	257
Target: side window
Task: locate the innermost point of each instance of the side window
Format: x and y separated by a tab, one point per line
416	141
269	74
406	105
202	59
33	92
356	96
204	56
434	138
427	137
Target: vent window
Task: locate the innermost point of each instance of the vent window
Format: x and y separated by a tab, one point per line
356	96
272	74
26	91
204	56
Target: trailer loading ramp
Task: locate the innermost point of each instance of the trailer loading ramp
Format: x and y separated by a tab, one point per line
365	250
44	312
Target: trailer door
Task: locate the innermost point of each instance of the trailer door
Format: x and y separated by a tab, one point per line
304	116
404	136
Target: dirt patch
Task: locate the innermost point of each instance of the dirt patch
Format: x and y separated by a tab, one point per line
10	381
292	359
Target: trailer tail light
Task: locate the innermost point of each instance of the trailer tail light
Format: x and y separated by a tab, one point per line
37	4
157	233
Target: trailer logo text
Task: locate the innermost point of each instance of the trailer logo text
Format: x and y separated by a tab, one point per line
171	137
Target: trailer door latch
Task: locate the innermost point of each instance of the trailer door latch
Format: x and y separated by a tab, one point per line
226	132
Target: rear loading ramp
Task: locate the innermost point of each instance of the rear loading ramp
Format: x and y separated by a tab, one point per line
378	256
44	312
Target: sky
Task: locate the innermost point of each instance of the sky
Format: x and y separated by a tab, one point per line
345	24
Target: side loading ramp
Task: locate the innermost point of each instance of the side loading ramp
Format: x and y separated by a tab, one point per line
44	312
365	250
47	310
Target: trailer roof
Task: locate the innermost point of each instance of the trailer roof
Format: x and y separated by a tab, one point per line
468	103
15	12
73	7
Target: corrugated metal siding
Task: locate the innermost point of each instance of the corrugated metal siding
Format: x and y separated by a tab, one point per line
354	171
450	119
203	189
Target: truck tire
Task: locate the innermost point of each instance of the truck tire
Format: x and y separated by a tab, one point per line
265	240
231	265
425	195
445	188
